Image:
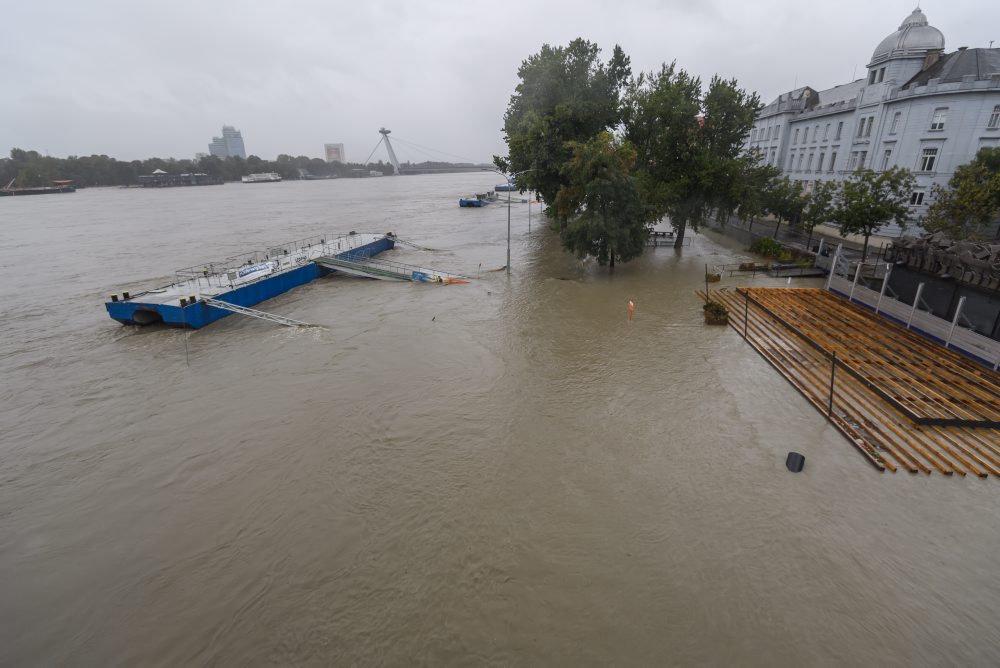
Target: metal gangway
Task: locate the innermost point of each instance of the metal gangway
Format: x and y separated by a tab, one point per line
254	313
386	270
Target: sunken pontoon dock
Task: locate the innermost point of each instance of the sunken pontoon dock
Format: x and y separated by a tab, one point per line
205	293
902	399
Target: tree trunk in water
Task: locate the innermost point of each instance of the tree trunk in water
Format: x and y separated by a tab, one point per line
679	241
611	263
864	252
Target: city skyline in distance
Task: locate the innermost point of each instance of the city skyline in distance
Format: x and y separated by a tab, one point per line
291	81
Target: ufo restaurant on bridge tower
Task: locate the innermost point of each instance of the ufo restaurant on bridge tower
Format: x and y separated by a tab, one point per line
918	107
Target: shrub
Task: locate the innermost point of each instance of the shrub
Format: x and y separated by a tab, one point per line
715	313
766	246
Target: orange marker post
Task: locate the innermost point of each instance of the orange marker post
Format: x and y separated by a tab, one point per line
631	307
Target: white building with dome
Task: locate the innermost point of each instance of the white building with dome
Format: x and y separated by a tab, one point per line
918	107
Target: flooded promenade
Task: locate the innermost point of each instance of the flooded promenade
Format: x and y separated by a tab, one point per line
504	473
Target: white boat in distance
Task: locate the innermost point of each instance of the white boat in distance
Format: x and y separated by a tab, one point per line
269	177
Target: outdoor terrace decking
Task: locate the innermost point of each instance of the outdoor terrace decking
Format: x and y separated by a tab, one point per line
900	398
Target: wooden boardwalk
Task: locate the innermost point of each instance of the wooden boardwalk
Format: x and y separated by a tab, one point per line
902	400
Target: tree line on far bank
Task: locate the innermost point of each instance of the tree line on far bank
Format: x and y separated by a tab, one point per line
29	168
612	153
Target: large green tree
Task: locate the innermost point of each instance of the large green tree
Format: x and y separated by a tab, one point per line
969	206
566	95
819	206
785	200
869	199
690	142
606	215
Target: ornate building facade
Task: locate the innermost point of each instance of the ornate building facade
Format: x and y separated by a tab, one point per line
918	107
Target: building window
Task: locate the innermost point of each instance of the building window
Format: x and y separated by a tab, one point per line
861	159
916	198
840	128
819	163
852	164
798	168
816	133
805	135
871	77
927	159
994	118
940	115
826	132
895	122
753	135
881	75
774	153
833	160
861	129
885	159
809	165
776	128
796	139
868	130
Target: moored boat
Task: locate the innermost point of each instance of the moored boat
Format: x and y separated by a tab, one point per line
62	186
268	177
478	200
241	281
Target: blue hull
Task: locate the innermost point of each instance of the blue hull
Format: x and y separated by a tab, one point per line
195	316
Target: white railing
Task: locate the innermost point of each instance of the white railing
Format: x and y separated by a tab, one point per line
951	333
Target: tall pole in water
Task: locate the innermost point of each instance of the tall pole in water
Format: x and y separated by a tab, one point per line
508	230
510	182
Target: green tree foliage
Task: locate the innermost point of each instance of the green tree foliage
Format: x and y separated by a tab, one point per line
819	206
869	199
607	217
566	95
690	143
29	168
784	199
970	204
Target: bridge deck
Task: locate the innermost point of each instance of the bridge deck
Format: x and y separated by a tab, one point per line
900	398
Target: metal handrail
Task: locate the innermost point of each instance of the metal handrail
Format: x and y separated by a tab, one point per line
391	265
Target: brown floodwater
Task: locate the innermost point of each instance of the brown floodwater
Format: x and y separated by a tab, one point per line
507	472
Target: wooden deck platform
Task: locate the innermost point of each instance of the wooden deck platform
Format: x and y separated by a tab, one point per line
901	399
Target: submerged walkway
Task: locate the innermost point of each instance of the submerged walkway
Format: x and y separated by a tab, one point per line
901	399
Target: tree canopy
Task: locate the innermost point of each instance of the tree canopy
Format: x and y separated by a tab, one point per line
869	199
968	207
583	133
606	215
567	96
30	168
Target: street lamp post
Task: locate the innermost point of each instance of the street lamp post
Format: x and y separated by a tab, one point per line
509	179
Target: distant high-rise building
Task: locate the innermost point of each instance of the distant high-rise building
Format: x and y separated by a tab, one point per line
229	145
335	153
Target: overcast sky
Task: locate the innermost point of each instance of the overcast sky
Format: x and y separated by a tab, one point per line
136	79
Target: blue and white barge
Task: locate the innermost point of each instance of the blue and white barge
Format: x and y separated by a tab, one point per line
242	281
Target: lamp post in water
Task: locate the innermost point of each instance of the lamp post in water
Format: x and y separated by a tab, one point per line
510	180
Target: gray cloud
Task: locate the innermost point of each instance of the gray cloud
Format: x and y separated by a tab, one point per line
135	79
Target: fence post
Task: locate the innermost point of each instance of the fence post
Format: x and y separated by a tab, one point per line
916	300
885	284
857	275
833	266
954	321
833	374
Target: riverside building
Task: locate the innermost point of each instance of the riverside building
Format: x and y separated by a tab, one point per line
229	145
917	107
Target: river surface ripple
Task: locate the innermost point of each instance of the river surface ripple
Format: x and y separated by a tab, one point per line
505	472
